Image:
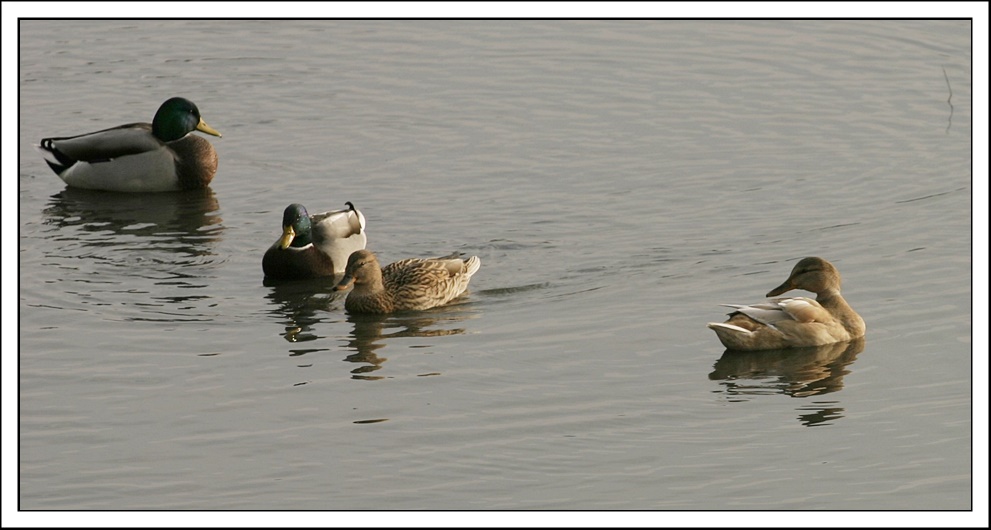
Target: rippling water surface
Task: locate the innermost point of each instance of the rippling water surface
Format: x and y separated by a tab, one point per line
618	179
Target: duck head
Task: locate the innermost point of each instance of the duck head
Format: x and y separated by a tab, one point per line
363	268
297	228
178	117
812	274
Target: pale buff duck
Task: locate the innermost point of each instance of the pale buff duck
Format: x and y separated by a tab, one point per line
138	157
794	322
409	284
313	246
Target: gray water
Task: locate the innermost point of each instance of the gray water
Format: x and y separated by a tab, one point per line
618	179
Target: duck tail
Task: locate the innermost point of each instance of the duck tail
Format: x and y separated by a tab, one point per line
55	159
722	326
471	265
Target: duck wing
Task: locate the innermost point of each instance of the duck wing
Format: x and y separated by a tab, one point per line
775	310
340	224
100	146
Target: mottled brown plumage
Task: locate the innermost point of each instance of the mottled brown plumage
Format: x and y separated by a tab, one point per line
412	283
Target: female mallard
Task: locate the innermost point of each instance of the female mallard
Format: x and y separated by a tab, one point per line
160	156
412	283
314	246
794	322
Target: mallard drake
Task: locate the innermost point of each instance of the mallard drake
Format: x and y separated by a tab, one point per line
794	322
138	157
412	283
312	246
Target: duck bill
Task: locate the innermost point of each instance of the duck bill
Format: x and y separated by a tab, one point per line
781	289
344	283
203	127
288	234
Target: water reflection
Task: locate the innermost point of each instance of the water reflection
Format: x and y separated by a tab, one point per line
183	223
796	372
299	305
131	256
371	332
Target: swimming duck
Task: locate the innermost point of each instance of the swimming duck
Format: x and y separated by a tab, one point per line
412	283
794	322
138	157
312	246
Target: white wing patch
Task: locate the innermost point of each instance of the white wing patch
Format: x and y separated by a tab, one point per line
804	309
773	311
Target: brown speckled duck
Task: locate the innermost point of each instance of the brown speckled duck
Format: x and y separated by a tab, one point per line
138	157
412	283
794	322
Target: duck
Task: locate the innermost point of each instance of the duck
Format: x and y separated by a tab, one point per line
795	322
314	246
409	284
139	157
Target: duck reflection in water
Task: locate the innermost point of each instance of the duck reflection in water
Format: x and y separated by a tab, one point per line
182	223
155	253
795	372
301	305
370	334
